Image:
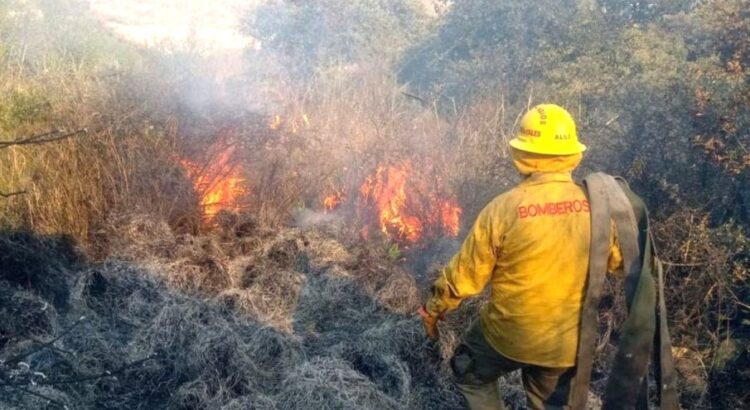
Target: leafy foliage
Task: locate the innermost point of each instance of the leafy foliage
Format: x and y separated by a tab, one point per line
647	83
323	33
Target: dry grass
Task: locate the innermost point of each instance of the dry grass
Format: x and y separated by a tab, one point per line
73	185
706	289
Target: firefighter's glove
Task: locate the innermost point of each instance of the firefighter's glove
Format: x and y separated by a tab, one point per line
430	324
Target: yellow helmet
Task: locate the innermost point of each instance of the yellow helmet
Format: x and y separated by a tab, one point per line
548	129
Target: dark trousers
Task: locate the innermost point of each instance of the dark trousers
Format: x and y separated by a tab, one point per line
477	366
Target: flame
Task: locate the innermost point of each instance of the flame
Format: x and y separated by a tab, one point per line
294	124
450	216
405	213
333	201
275	122
220	183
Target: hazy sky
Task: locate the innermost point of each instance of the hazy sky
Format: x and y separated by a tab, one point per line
211	24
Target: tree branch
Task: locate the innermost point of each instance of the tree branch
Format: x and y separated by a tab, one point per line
51	347
41	396
10	194
416	97
14	360
84	378
51	136
102	375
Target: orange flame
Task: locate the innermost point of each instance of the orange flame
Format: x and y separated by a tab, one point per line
333	201
293	125
275	122
450	216
220	183
405	212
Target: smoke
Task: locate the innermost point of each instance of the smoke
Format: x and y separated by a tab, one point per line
323	68
426	263
305	217
209	26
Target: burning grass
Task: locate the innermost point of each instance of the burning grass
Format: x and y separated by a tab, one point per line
220	181
409	207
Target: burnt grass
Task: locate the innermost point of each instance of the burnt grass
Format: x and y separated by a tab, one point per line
292	326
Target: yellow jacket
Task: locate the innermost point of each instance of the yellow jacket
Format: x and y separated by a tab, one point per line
531	244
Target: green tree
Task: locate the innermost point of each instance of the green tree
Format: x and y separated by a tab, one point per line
322	33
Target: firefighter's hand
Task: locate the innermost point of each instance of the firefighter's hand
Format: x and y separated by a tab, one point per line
430	324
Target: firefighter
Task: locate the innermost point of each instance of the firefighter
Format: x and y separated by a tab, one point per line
531	246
